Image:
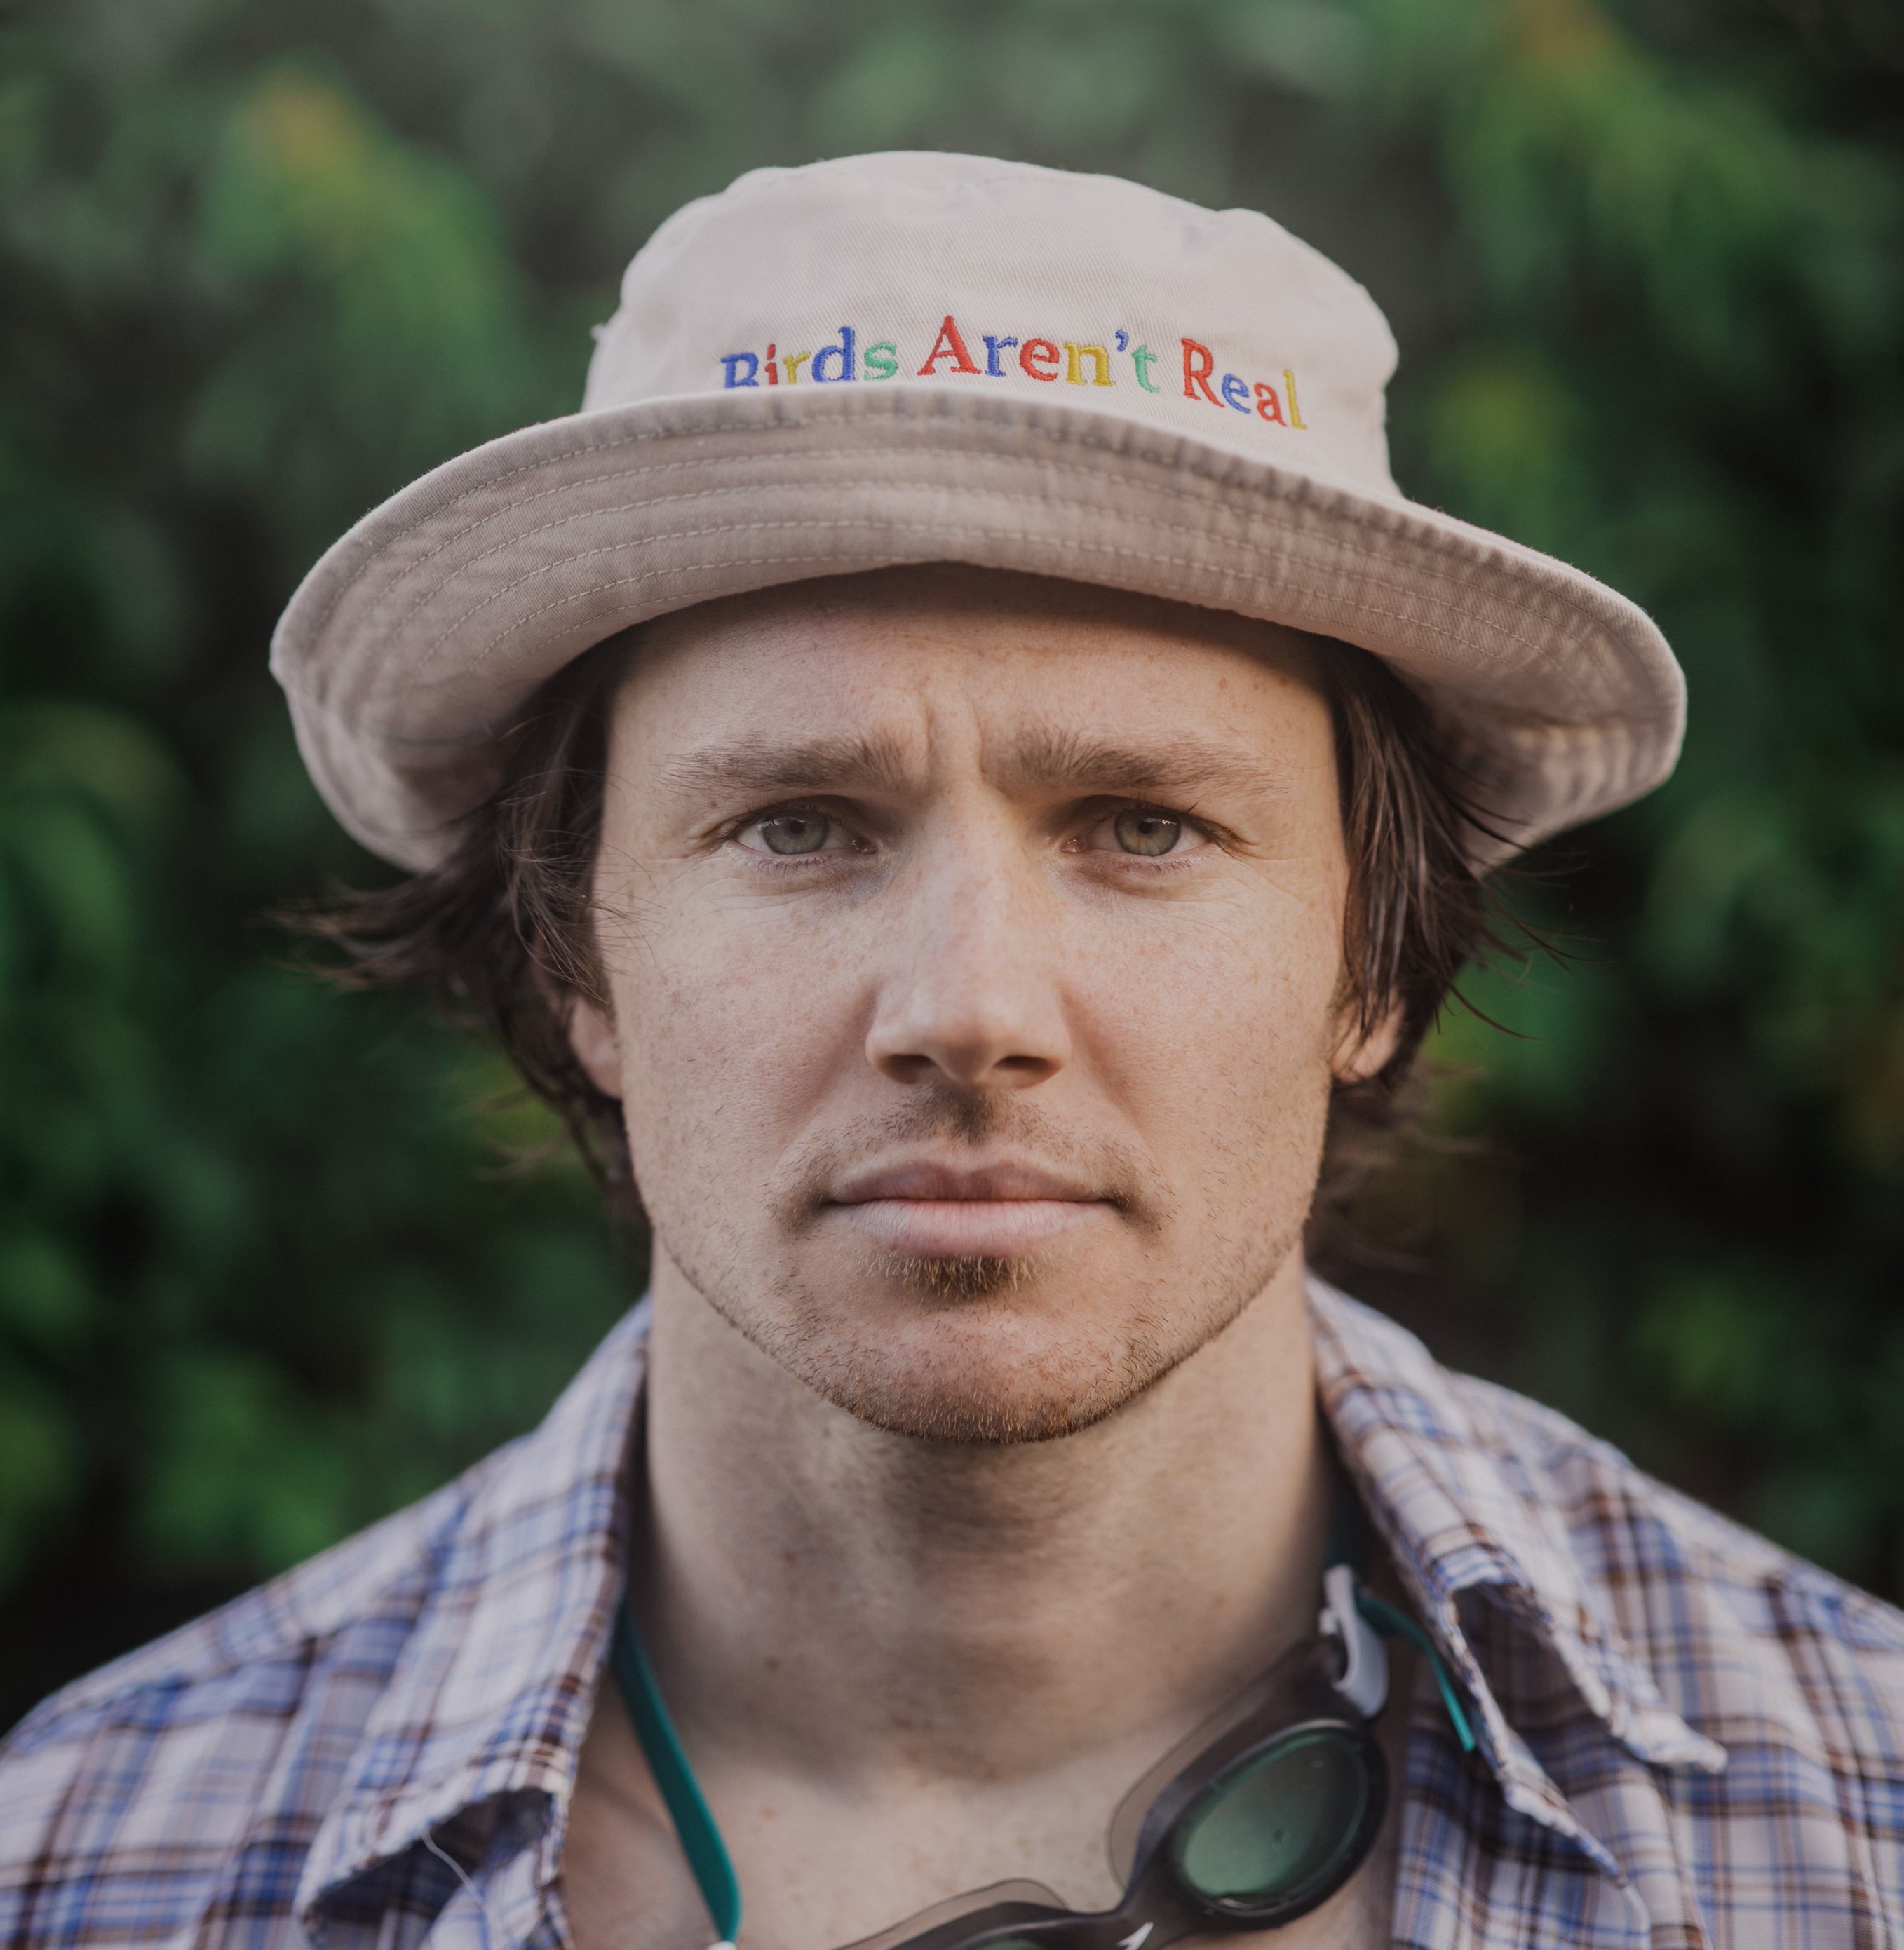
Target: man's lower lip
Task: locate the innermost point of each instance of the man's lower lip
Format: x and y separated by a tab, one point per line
950	1229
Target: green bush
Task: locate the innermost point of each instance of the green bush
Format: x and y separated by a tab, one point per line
266	1268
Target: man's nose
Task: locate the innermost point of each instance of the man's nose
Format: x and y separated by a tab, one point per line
972	995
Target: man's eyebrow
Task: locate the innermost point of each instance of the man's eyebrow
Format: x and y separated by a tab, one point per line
1047	760
1036	760
748	765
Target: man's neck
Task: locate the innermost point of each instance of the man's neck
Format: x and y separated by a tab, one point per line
856	1607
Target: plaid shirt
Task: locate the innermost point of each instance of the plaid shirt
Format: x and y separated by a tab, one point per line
1687	1737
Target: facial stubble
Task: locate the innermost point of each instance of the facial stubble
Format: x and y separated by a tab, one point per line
946	1370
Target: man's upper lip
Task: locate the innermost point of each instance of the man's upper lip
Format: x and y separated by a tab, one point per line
930	1179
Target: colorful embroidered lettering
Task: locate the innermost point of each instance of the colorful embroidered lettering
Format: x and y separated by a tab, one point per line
948	345
1075	355
843	352
843	360
1199	362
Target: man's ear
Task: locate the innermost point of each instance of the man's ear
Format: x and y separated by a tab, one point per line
591	1035
1361	1054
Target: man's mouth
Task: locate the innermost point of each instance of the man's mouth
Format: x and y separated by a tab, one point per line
932	1210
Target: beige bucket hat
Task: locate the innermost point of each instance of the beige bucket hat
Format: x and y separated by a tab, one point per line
914	358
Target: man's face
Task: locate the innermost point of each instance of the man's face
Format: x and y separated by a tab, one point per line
974	944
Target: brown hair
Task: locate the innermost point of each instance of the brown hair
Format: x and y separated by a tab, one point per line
502	930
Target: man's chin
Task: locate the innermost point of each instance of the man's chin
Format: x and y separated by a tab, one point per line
979	1363
975	1409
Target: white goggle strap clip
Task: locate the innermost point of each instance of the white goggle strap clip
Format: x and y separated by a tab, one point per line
1364	1679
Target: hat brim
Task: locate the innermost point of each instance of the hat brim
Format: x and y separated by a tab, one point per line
410	649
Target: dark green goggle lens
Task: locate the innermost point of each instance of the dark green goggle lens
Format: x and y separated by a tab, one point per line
1278	1825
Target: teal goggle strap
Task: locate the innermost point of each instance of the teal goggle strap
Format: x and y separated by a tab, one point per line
1359	1622
694	1820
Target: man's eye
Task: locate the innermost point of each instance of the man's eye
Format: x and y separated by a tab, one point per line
1150	833
1147	831
800	831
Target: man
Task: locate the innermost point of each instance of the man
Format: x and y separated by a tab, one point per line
953	773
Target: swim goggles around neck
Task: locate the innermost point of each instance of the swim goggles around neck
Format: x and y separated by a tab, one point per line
1259	1815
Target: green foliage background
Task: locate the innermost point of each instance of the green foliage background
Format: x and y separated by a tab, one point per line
262	1274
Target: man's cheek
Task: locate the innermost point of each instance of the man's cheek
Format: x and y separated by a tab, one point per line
731	1016
1232	1011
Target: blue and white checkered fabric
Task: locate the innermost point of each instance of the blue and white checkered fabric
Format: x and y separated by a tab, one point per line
1687	1737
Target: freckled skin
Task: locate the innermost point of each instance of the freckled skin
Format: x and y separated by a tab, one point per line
963	1500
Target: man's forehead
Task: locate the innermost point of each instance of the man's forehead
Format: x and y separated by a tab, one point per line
901	628
912	606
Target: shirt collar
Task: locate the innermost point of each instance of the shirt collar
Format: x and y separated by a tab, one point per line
491	1694
1461	1513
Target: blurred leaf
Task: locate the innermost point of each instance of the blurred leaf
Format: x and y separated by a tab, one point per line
1536	1036
38	1476
896	78
108	756
415	338
1512	444
1712	1342
243	1471
1323	49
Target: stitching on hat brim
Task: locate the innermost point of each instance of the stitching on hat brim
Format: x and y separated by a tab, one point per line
425	656
1175	489
1617	737
1210	466
421	659
1364	529
775	415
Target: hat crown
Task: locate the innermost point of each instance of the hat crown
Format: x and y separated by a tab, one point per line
965	274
